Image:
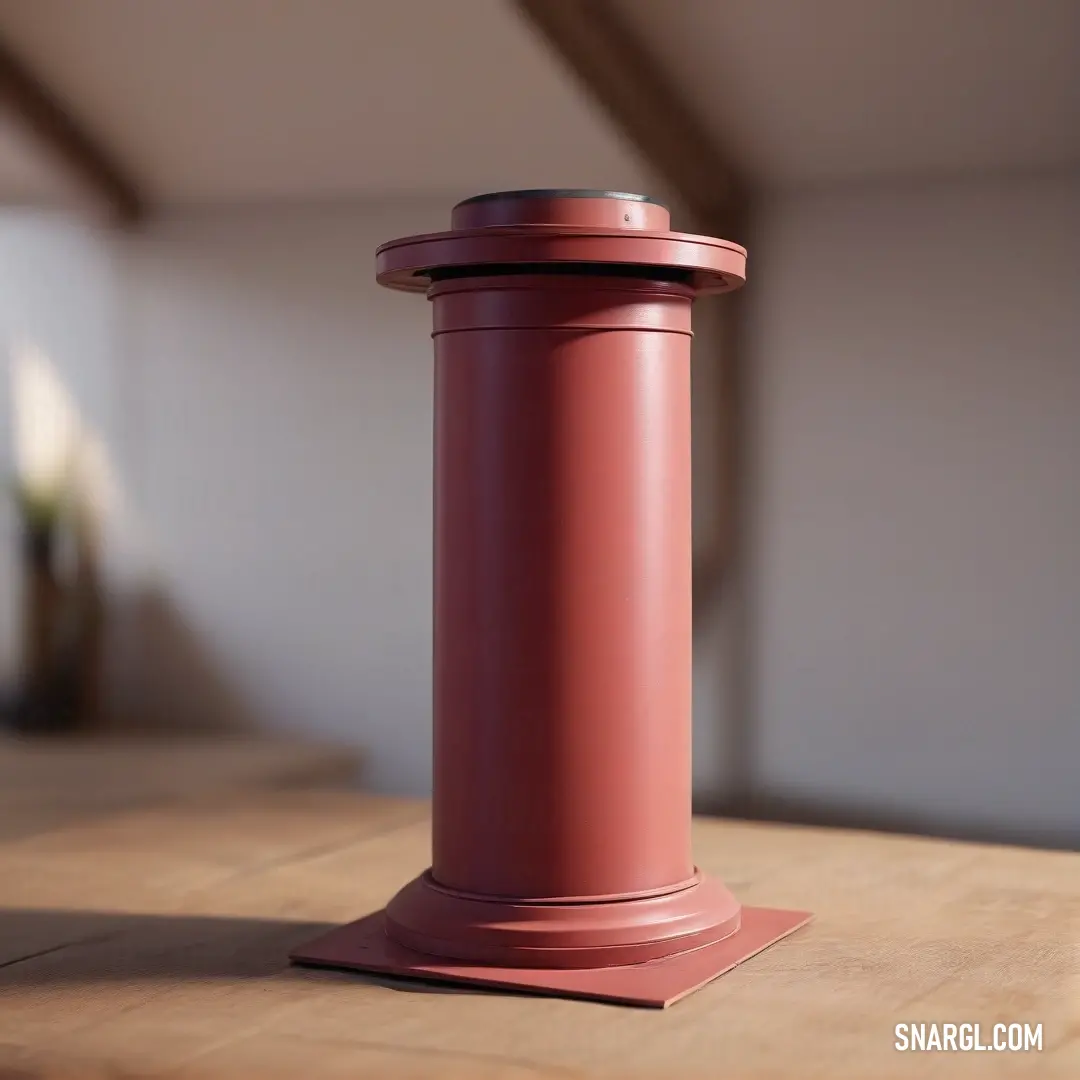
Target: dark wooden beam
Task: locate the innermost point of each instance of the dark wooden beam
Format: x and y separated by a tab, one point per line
617	69
620	72
625	79
29	99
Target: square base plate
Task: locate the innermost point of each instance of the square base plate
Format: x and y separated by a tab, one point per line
363	946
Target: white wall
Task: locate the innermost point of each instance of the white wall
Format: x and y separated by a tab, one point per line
917	535
58	298
266	410
285	474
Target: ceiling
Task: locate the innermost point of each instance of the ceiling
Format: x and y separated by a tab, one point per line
240	100
811	92
245	100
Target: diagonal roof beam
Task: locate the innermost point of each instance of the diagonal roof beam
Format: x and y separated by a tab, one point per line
30	100
621	74
626	81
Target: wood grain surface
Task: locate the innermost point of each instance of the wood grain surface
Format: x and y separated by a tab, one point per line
153	942
46	782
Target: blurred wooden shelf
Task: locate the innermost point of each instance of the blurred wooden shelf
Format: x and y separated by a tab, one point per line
48	781
153	943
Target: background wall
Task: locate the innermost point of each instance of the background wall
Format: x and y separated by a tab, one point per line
59	307
916	591
266	411
285	475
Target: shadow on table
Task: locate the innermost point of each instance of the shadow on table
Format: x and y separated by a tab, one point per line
48	947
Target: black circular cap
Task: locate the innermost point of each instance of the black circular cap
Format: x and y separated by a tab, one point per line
562	193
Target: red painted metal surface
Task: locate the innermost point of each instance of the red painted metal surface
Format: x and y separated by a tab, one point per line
364	946
623	232
562	667
562	587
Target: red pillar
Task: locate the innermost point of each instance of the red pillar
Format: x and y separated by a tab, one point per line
562	666
562	586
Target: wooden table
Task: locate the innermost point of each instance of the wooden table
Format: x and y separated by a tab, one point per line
153	942
45	782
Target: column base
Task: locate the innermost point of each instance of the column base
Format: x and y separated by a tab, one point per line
570	963
429	918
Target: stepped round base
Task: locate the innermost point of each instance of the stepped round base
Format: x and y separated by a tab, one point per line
428	918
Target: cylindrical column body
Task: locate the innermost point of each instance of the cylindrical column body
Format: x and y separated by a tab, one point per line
562	586
561	813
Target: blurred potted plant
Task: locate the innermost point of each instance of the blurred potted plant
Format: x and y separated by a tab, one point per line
61	599
43	698
41	513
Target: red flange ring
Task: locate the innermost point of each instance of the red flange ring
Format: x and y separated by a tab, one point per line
430	919
555	227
